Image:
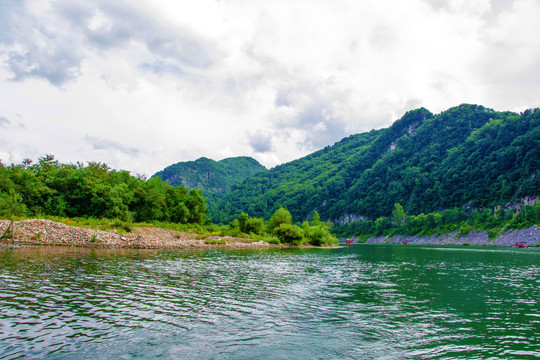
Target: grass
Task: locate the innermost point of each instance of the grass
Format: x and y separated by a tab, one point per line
215	241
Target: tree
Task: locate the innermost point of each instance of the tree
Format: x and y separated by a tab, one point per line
290	234
10	206
316	219
398	214
242	220
281	216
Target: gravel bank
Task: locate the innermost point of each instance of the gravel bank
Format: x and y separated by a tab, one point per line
47	232
530	236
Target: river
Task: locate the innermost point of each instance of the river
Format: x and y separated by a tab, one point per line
357	302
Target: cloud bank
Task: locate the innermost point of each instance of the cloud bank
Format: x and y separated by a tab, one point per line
142	85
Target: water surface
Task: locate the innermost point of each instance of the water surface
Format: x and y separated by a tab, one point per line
357	302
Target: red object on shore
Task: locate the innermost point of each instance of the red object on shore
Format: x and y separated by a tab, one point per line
521	245
405	243
349	241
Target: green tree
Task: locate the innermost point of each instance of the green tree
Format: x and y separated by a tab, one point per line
12	205
242	220
398	215
320	236
254	226
316	219
280	216
290	234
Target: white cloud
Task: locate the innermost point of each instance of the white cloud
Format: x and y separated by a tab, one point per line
143	85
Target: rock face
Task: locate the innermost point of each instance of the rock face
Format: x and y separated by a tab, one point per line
47	232
529	236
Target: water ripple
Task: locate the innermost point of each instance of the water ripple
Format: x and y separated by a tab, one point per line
360	302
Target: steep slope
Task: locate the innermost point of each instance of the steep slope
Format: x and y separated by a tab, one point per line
467	154
209	175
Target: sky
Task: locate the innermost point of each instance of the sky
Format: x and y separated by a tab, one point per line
140	85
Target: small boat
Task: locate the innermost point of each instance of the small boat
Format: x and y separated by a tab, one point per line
404	243
349	241
522	245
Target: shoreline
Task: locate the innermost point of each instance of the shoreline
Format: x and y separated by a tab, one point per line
35	232
38	232
529	236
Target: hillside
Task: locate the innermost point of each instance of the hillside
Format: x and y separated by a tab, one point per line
468	155
213	177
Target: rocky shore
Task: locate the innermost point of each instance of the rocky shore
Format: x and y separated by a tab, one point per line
529	236
47	232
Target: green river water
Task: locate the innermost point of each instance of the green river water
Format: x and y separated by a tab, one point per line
356	302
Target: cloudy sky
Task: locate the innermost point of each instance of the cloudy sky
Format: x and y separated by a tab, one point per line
144	84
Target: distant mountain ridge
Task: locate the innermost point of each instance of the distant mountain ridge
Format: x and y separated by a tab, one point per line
468	155
209	175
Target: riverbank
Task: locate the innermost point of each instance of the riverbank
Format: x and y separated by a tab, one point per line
529	236
47	232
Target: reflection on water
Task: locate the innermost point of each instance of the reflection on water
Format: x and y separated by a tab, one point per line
364	301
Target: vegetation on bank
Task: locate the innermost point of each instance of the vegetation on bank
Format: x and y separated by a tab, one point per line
494	221
98	197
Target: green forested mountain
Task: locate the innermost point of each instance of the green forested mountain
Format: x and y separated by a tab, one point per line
207	174
213	177
468	155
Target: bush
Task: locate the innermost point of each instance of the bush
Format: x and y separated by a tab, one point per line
254	226
215	241
290	234
464	229
281	216
493	233
319	236
272	240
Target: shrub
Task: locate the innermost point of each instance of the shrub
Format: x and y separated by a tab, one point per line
275	240
215	241
492	233
464	229
318	236
281	216
290	234
254	226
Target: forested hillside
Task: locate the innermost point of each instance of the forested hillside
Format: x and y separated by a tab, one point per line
213	177
468	155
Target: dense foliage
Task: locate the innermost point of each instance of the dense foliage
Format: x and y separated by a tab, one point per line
213	177
280	229
494	221
94	190
468	156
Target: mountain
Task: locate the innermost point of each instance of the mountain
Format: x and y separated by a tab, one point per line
213	177
468	156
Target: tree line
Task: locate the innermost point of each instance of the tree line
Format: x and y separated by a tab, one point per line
94	191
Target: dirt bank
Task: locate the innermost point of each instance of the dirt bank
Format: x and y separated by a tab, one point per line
47	232
530	236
